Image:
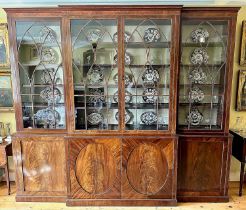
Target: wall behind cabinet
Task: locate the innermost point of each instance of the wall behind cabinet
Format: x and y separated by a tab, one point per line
235	167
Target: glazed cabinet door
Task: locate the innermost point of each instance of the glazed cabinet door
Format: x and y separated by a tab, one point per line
123	69
149	168
94	45
94	168
203	74
40	75
148	72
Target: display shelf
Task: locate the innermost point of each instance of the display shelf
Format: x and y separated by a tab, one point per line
200	85
200	127
144	45
146	127
33	94
128	106
43	85
38	44
209	65
82	87
96	127
130	66
202	45
42	105
146	106
131	44
201	104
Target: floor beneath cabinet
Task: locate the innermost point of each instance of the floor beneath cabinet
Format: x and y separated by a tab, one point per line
8	203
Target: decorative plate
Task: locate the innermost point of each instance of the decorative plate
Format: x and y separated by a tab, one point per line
95	118
199	56
194	117
95	75
196	95
50	118
48	55
149	118
94	34
47	76
199	35
128	116
96	95
152	35
128	79
198	76
51	95
150	95
128	59
127	37
128	97
150	77
47	35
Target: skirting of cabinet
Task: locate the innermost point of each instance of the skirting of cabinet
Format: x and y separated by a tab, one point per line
214	199
60	199
121	202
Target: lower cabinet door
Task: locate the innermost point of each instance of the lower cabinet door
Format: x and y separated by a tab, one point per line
95	168
149	168
203	168
40	165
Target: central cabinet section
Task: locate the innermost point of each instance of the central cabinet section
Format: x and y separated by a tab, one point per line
122	149
121	73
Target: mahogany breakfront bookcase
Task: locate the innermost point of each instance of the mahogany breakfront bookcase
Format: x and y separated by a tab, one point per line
122	105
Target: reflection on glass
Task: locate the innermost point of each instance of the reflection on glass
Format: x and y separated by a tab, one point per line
95	70
202	74
147	70
41	74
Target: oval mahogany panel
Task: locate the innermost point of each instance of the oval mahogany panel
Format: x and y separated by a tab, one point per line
147	169
95	169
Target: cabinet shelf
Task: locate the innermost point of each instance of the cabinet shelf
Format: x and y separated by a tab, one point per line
207	45
131	65
135	45
82	87
146	127
200	104
202	65
24	104
43	44
43	85
199	127
147	45
97	127
200	85
33	94
127	106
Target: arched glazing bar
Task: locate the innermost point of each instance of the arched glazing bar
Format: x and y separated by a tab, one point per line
149	49
203	74
41	74
94	67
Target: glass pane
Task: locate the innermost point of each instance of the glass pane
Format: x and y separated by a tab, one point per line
147	70
95	69
202	74
41	74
